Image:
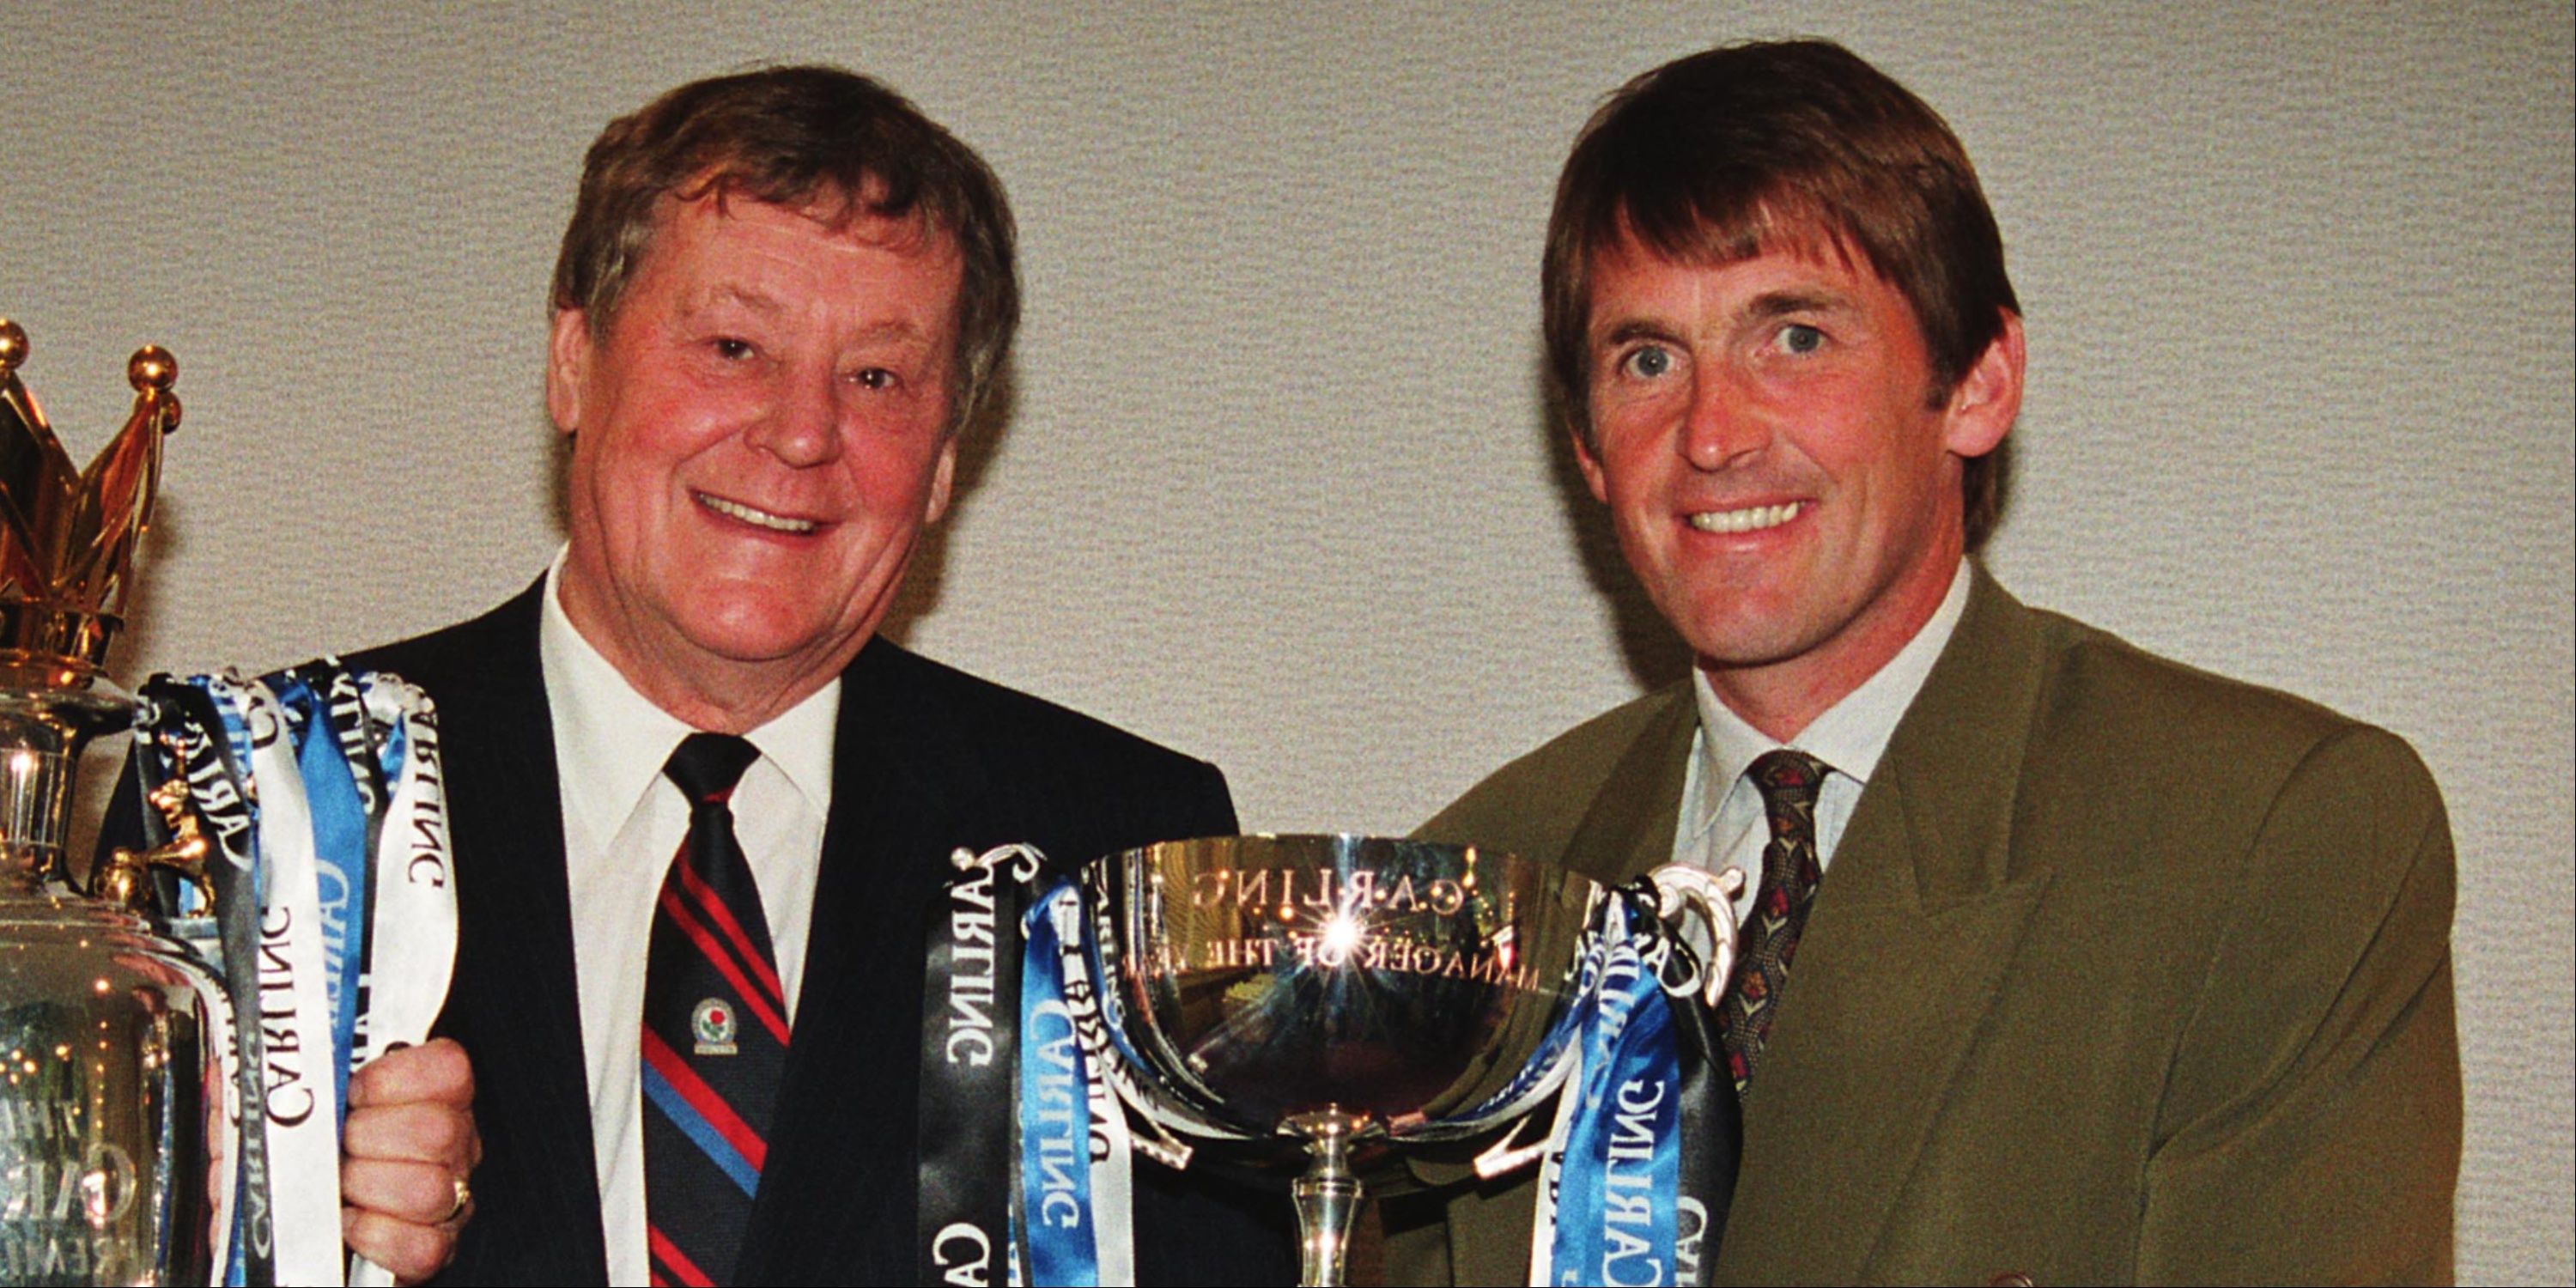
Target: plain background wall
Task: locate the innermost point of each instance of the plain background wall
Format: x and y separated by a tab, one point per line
1278	490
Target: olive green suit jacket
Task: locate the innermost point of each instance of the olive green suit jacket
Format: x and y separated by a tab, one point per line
2121	972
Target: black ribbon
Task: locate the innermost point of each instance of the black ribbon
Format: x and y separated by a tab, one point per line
970	1021
1712	1138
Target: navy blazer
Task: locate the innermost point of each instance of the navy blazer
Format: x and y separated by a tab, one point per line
926	759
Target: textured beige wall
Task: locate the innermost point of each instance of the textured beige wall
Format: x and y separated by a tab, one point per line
2299	287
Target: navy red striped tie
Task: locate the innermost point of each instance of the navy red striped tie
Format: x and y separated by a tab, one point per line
715	1031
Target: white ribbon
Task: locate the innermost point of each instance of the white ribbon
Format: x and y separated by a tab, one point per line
414	914
414	917
300	1109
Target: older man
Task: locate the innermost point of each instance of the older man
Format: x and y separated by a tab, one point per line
700	809
2062	962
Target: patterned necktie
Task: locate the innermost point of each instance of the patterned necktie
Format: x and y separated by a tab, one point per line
715	1031
1791	870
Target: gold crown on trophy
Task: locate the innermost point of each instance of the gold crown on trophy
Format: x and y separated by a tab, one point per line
67	536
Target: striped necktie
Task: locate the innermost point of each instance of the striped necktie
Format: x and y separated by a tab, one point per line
1791	870
715	1031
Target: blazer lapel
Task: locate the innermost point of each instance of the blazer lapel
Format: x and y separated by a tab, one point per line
835	1199
515	1005
1919	917
1628	830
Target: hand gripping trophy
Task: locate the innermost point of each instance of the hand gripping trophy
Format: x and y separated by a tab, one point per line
112	1032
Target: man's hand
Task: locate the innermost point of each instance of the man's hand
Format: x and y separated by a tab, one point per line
409	1148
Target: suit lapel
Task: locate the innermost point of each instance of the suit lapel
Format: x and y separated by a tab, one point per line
1628	831
1919	917
835	1198
515	1004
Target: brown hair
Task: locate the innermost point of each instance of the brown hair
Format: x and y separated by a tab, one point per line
1724	154
795	136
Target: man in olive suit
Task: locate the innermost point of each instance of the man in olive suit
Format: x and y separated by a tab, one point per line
2061	961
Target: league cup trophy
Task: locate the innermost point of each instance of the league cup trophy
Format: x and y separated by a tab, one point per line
1358	995
111	1031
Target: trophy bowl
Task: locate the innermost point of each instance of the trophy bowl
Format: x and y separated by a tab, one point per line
1339	991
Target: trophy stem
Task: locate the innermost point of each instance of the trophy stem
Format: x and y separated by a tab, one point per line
1328	1195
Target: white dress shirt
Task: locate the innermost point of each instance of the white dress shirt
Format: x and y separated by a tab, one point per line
1723	823
623	822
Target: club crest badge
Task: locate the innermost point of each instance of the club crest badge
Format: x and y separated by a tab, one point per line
712	1025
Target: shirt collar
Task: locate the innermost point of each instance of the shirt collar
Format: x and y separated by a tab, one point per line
1851	734
799	741
614	740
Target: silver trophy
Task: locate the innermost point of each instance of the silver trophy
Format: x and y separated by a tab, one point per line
1348	994
109	1029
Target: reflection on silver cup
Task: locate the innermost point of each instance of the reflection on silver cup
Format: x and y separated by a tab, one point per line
1337	990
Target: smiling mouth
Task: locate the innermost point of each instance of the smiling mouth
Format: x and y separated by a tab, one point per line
756	517
1750	519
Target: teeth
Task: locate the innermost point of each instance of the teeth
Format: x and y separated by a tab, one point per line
1752	519
757	518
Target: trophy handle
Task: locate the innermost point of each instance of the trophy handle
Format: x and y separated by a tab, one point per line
124	878
1685	894
1157	1142
1508	1155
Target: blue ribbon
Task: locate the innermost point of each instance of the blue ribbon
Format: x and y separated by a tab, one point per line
1054	1212
342	863
1620	1181
1560	1036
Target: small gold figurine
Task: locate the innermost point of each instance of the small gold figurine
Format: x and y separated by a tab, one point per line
123	878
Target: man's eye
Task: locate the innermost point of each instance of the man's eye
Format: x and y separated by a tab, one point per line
873	378
732	349
1650	361
1797	337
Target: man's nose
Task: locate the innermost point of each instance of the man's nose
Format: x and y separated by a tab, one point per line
801	425
1722	427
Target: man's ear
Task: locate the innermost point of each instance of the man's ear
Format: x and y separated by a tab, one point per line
1588	463
941	481
567	368
1986	402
